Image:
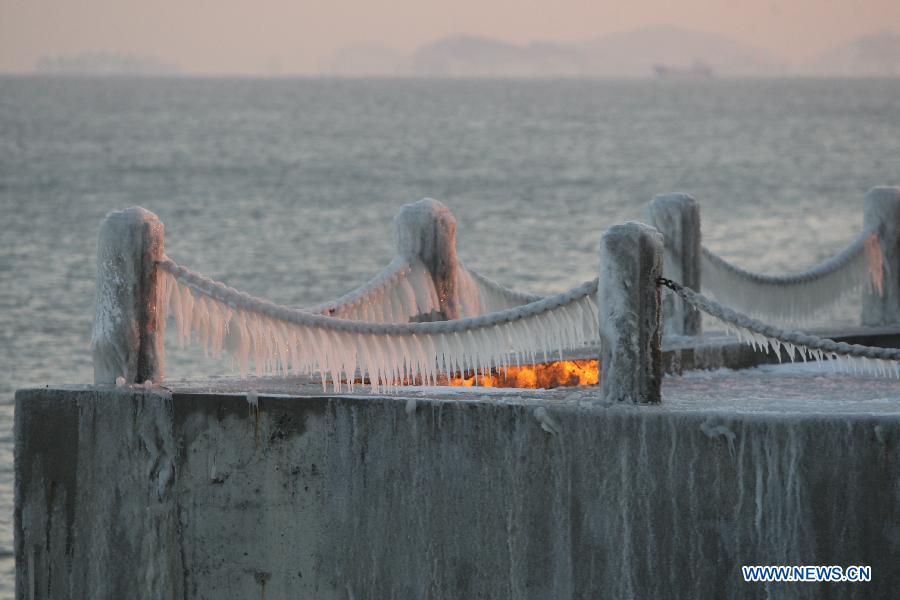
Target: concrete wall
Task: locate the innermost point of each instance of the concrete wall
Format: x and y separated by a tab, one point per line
132	494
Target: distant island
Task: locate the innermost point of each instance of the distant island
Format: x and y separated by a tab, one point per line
104	63
662	52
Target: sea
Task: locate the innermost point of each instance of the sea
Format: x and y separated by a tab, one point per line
285	188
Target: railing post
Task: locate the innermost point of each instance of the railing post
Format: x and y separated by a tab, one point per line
128	338
426	230
628	297
677	217
882	214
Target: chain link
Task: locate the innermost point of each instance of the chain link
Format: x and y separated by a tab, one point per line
793	338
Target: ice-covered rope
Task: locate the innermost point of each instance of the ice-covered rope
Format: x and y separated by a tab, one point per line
399	293
404	291
848	357
797	297
495	296
282	339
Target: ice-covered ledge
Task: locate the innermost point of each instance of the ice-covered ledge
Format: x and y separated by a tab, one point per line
434	493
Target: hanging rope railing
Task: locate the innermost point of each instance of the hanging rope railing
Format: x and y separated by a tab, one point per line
851	357
403	292
426	281
282	339
496	296
426	315
398	294
800	296
867	266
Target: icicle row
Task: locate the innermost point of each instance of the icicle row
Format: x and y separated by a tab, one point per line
278	340
490	295
399	293
799	297
404	291
844	363
855	358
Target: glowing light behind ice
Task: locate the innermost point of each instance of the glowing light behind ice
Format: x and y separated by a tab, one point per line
387	355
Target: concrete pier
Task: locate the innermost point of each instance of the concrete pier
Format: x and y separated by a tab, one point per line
194	493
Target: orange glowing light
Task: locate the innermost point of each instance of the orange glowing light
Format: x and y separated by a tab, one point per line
548	375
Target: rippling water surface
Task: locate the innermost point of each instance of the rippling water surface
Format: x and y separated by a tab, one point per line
286	188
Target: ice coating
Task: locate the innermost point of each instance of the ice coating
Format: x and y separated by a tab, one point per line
390	297
547	422
278	340
127	339
426	234
677	217
881	305
426	281
481	295
629	319
795	298
855	358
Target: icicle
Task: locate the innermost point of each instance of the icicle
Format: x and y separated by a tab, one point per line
794	298
280	347
837	360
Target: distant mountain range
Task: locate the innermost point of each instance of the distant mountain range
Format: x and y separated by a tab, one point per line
873	55
639	53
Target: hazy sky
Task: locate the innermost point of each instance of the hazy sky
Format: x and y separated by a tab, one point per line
297	36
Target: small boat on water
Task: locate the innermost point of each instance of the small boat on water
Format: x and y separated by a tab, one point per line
697	70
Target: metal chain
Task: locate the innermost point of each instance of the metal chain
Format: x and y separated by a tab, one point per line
794	338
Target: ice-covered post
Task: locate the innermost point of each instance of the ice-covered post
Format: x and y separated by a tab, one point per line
128	339
677	217
628	297
882	215
426	231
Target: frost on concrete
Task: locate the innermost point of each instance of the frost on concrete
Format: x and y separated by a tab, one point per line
468	498
253	400
547	422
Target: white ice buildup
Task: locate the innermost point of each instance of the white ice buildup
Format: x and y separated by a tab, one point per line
881	305
629	324
127	340
547	422
798	297
677	217
795	345
426	281
401	293
278	340
426	233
